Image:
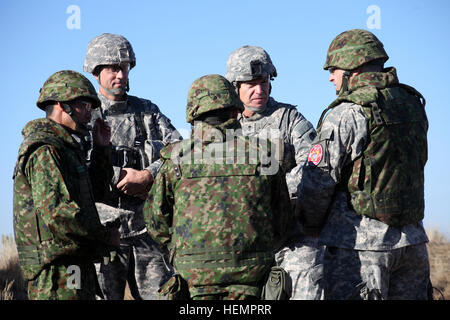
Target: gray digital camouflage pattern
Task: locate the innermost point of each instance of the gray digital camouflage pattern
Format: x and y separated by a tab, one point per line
108	49
248	63
302	258
218	210
138	133
280	120
396	274
361	250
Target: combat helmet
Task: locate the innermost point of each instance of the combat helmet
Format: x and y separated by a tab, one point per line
209	93
353	48
248	63
107	49
67	85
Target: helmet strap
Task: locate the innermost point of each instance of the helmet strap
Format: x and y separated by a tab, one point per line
344	84
67	108
257	110
81	128
113	92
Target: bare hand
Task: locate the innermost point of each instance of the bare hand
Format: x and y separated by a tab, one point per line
135	182
101	132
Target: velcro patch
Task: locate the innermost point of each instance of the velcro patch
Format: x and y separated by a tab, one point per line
315	154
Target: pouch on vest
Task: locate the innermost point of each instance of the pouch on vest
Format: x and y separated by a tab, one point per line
275	285
176	288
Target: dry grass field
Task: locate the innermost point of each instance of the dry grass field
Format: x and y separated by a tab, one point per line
12	286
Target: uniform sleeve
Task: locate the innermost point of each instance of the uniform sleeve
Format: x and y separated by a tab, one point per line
301	135
61	215
341	140
161	134
158	208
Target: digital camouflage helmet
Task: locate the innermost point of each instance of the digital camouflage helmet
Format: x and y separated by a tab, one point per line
67	85
248	63
209	93
108	49
353	48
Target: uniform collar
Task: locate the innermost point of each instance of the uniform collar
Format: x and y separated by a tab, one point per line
386	78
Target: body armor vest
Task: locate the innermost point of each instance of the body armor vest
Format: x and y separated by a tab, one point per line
35	242
387	181
246	245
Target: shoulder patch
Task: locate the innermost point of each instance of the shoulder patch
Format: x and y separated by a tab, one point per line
315	154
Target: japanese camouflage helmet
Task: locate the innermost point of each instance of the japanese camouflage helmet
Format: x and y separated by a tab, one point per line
67	85
108	49
353	48
208	93
248	63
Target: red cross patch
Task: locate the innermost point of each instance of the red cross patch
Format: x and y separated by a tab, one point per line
315	154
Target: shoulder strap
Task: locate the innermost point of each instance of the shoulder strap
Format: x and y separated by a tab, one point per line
141	130
29	145
414	92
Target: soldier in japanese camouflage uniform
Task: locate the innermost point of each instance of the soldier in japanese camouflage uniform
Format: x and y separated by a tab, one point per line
250	70
56	225
139	132
220	202
363	186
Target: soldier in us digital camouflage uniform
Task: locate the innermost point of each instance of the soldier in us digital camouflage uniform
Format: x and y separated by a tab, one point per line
56	225
220	202
139	132
250	70
363	185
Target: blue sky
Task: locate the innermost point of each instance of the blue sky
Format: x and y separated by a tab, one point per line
178	41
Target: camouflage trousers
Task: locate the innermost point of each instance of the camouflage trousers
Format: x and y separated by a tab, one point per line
302	261
396	274
142	263
64	282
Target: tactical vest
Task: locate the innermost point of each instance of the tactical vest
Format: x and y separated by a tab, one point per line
132	155
212	188
277	117
35	242
387	181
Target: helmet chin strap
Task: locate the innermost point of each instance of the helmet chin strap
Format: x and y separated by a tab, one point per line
257	110
344	85
114	92
80	127
253	109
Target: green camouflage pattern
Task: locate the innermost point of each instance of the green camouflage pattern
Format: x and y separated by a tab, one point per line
353	48
55	218
222	220
247	63
67	85
108	49
209	93
386	183
218	211
53	280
